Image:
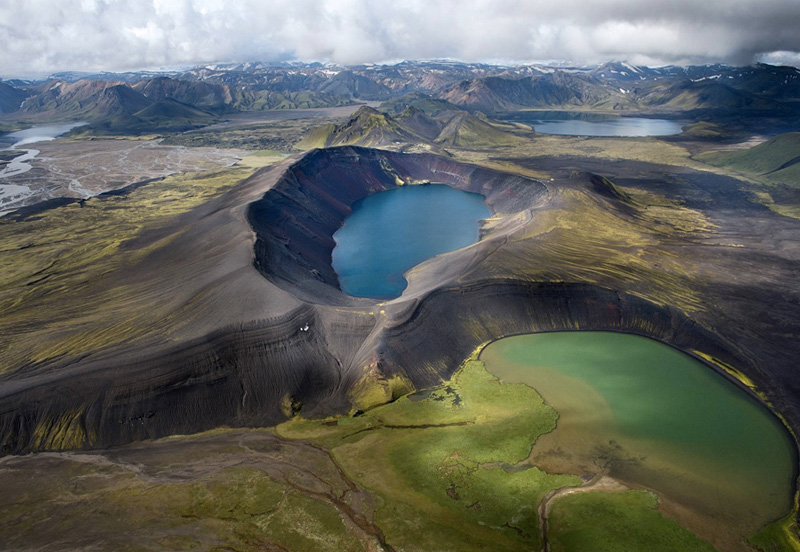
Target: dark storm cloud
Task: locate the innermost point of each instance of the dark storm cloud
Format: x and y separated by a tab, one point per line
40	36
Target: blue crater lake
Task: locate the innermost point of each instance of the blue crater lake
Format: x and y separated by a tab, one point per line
390	232
595	124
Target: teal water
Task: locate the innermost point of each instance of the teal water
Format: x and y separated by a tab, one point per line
578	124
390	232
651	415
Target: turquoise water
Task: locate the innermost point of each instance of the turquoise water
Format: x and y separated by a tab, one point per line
651	415
573	124
392	231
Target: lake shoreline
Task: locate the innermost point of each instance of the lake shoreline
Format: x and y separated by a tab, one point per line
589	440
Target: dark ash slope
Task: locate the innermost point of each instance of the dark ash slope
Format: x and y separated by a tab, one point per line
287	339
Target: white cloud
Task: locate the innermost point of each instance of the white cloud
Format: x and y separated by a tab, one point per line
42	36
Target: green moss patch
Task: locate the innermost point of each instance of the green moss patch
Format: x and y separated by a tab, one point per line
616	522
441	463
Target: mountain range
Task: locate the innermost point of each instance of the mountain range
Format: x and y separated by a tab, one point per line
201	95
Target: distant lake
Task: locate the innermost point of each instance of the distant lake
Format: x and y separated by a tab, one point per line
390	232
37	134
594	124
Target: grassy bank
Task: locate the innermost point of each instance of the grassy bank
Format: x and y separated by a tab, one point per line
436	470
63	277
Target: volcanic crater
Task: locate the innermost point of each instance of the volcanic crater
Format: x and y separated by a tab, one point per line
274	335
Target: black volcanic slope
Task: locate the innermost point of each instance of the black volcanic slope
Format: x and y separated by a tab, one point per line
273	334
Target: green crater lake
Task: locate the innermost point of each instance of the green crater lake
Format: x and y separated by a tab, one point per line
655	417
391	232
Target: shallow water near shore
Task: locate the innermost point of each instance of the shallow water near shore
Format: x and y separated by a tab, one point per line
645	413
390	232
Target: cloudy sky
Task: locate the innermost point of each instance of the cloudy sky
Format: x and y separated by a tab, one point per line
41	36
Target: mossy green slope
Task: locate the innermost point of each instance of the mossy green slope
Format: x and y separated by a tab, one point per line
229	491
446	465
437	463
776	161
781	536
772	169
422	102
468	131
367	127
616	522
68	248
372	128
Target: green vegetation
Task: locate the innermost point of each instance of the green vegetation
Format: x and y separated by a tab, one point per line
775	165
704	130
12	126
164	116
280	136
247	508
776	161
781	536
589	242
215	491
606	187
427	104
304	99
367	127
413	126
676	428
50	258
468	131
439	470
616	522
438	459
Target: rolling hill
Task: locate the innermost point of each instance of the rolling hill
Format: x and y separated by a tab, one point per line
348	83
261	100
465	130
687	95
114	108
163	116
370	127
367	127
776	161
422	102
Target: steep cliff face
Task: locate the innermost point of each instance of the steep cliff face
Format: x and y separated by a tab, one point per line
431	340
244	376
